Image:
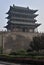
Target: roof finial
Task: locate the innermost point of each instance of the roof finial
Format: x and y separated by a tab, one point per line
27	7
13	5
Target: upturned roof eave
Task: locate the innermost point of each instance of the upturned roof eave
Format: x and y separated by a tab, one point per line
21	8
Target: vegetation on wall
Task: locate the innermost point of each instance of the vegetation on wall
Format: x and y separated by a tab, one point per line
38	43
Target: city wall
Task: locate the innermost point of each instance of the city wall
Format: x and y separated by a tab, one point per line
12	41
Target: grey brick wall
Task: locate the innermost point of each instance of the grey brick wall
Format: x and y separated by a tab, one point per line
13	41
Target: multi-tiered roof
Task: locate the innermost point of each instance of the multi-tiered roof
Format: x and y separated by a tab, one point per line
21	18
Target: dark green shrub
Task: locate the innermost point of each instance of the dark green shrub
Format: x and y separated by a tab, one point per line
13	53
37	43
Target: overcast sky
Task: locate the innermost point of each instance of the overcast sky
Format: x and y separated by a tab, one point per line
32	4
